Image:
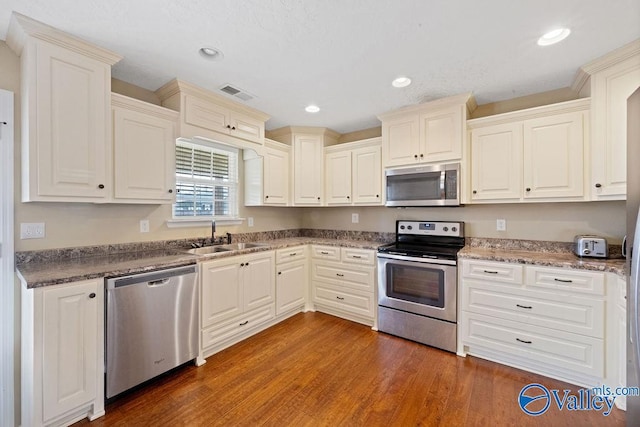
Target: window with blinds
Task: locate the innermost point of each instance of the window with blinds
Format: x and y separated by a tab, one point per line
206	181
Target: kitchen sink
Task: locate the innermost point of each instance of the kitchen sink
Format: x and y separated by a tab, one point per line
208	250
240	246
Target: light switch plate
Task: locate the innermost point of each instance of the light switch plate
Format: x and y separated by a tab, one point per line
355	218
250	221
32	230
144	225
501	224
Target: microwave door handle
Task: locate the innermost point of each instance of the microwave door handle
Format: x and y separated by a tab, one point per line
443	193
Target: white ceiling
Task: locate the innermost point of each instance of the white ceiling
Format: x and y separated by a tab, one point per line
343	54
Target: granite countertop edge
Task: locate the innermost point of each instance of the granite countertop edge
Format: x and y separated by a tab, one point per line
55	272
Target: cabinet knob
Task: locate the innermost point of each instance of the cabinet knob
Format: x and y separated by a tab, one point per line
228	126
233	128
247	264
170	191
242	265
101	186
415	156
348	197
92	295
377	195
266	197
279	273
475	192
598	185
528	189
421	155
318	198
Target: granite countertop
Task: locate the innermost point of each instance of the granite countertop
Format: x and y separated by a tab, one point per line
549	259
51	271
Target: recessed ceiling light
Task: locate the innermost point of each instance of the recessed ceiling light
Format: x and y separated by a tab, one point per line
211	53
553	37
312	109
401	82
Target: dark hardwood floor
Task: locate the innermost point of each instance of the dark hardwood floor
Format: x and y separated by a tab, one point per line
315	369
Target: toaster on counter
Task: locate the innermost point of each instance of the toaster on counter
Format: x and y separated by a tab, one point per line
590	246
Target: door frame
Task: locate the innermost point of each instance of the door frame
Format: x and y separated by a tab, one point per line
7	280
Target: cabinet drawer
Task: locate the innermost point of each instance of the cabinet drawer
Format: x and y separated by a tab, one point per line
358	278
225	330
291	254
576	314
556	279
326	252
559	349
352	301
358	256
492	271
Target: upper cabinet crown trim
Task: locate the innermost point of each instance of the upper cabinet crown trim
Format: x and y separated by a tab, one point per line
621	54
132	104
370	142
531	113
289	130
176	86
22	27
467	99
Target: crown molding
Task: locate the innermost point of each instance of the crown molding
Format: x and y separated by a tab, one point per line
466	99
132	104
628	51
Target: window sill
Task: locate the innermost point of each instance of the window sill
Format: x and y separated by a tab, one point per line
199	222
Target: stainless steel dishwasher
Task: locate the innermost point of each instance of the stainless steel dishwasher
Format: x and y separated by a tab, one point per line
152	325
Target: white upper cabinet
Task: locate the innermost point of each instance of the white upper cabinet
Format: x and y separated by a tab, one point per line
425	133
66	88
308	161
353	173
496	162
554	156
208	115
266	177
143	131
610	80
536	154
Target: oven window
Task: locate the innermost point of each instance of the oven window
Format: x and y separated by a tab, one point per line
421	285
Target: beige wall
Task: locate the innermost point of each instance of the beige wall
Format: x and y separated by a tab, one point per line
549	221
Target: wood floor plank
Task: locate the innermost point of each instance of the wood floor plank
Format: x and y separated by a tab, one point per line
318	370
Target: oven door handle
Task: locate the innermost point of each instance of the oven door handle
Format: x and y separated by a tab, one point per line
417	259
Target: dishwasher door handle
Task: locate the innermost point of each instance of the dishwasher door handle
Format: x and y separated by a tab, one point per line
155	283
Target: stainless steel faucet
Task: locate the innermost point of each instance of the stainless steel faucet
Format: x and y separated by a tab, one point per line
213	232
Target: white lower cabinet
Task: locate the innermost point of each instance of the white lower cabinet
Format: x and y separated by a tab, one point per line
543	319
292	273
62	353
237	296
343	283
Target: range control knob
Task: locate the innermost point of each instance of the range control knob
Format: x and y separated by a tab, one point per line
445	228
454	229
402	227
409	227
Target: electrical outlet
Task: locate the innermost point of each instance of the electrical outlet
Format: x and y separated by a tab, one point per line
32	230
144	225
250	221
355	218
501	224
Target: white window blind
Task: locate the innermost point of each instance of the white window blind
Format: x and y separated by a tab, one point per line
206	181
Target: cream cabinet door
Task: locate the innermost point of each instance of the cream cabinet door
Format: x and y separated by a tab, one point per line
70	346
204	114
307	169
144	157
221	290
554	156
366	180
276	177
441	135
291	281
496	162
610	90
246	127
69	137
401	141
258	280
338	178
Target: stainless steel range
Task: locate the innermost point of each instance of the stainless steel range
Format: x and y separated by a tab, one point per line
417	282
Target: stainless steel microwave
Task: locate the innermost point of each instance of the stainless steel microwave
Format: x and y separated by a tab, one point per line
435	185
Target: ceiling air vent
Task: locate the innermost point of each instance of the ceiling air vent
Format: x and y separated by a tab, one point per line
238	93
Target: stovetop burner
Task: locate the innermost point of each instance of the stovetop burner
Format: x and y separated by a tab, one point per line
427	239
